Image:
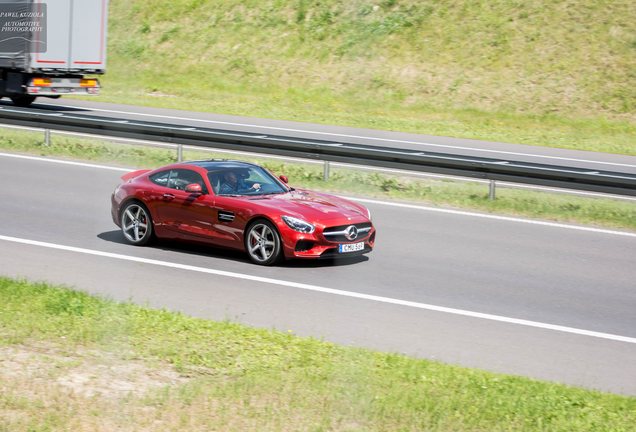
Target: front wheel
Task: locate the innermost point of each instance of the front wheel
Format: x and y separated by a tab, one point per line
262	243
136	224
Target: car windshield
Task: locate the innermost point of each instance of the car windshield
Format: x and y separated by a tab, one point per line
252	180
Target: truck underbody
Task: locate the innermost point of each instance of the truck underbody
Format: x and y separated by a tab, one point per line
22	88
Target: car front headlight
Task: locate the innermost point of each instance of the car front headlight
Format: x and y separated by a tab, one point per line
369	214
299	224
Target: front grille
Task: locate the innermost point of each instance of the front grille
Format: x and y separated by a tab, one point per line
337	234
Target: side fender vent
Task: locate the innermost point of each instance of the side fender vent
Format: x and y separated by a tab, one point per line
226	216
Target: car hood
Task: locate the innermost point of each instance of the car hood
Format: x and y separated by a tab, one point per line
312	206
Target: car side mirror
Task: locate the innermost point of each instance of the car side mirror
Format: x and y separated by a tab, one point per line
284	179
194	188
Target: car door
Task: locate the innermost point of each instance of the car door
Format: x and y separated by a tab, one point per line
184	214
230	216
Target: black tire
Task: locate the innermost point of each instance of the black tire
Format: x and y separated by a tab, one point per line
22	101
136	223
262	243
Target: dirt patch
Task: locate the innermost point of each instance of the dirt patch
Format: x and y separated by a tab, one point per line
84	372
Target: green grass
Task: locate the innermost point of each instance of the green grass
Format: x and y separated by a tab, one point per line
557	74
541	205
231	377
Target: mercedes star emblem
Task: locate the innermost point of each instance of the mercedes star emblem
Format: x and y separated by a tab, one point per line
351	232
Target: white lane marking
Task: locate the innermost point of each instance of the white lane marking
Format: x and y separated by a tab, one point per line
495	217
325	290
344	135
370	201
63	162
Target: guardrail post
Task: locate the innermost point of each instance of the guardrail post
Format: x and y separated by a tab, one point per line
47	137
325	171
179	153
491	191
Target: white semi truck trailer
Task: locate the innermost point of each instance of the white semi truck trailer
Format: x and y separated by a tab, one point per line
50	48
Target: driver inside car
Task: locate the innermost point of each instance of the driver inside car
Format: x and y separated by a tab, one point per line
233	185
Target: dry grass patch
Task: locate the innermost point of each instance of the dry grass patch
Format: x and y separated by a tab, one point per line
84	373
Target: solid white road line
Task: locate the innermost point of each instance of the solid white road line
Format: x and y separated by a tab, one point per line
495	217
331	291
343	135
370	201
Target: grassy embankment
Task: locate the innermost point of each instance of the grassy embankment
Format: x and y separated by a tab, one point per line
558	74
540	205
74	362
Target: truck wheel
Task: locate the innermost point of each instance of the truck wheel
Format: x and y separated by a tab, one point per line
22	101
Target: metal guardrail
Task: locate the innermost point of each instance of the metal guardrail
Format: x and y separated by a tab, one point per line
358	154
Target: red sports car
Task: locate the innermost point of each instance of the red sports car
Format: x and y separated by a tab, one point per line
240	206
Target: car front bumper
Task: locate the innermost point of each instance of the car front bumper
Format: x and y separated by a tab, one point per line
317	246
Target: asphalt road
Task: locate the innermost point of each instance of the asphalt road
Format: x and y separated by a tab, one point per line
464	147
566	283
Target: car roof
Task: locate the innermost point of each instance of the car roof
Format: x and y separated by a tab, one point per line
220	164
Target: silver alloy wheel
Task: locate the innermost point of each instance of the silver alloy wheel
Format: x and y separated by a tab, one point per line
135	224
262	243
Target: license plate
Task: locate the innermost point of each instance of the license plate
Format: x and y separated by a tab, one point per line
350	247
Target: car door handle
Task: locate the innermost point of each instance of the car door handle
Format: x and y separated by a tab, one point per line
168	196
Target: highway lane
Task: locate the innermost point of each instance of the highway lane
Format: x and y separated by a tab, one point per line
466	147
547	274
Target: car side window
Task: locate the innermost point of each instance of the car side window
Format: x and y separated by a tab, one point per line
161	178
180	178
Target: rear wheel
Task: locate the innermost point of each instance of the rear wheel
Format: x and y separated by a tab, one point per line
22	101
136	224
262	243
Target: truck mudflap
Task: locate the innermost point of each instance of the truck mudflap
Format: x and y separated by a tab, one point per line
56	86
